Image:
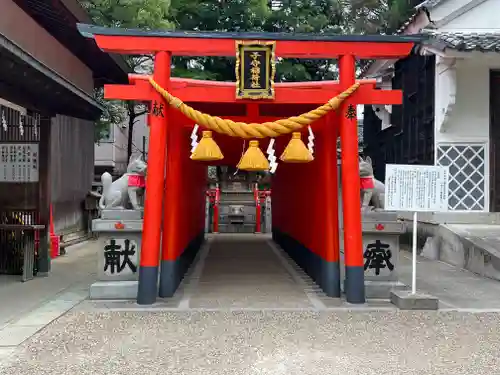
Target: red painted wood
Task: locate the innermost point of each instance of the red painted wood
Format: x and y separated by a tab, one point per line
193	91
151	235
227	47
353	241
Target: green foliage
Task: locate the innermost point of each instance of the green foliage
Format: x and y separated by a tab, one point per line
295	16
141	14
147	14
114	113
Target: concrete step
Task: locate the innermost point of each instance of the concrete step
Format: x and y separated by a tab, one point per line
474	247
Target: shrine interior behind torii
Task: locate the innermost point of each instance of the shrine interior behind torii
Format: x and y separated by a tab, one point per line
305	218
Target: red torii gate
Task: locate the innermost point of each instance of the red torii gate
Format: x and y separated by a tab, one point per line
319	234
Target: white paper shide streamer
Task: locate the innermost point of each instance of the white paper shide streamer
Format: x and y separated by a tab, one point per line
21	126
310	138
271	157
194	138
35	125
4	121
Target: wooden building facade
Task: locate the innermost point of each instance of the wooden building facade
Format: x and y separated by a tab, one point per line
408	138
48	73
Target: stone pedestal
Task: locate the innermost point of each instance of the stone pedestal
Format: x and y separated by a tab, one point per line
120	235
381	231
405	300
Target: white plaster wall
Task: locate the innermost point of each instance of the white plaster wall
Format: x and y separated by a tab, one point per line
469	120
114	152
447	7
481	18
140	129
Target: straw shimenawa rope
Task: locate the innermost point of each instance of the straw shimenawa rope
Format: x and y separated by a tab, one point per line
254	130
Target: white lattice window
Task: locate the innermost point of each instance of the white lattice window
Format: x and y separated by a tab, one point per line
467	174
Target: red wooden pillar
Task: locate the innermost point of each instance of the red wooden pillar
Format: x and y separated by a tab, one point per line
150	251
173	212
330	272
353	244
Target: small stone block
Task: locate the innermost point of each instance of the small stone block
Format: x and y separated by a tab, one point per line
114	290
405	300
121	215
381	289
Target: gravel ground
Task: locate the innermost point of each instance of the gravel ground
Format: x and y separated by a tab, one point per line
270	342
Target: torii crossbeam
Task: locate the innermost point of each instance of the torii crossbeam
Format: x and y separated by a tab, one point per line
165	204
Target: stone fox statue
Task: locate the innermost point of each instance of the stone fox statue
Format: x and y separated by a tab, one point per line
372	190
116	195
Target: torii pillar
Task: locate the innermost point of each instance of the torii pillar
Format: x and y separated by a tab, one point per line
354	284
153	205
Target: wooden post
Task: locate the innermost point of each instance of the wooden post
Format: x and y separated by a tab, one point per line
44	192
153	205
173	214
330	273
353	243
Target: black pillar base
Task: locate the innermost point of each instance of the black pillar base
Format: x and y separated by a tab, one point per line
148	285
330	278
172	271
44	258
325	274
354	284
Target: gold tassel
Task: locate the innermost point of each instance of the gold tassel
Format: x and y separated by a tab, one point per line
296	151
253	159
207	149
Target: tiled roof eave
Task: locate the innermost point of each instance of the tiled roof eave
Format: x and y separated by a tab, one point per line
465	41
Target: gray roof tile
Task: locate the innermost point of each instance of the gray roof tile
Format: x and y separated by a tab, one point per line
466	42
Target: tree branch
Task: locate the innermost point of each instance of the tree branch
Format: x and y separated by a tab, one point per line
141	113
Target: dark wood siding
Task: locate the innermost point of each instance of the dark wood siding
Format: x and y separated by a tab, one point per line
410	139
495	141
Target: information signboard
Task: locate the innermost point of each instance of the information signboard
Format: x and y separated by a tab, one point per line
416	188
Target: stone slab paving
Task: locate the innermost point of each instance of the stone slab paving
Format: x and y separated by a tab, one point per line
28	307
265	342
255	313
244	271
456	288
73	270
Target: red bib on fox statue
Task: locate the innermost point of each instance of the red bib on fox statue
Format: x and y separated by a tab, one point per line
137	181
367	183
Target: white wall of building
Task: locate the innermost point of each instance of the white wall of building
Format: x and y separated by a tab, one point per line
482	17
469	97
462	100
113	151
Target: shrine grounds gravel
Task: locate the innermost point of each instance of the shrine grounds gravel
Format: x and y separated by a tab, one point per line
262	342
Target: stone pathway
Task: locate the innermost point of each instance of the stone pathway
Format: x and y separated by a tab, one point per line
265	342
457	289
246	272
245	308
28	307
